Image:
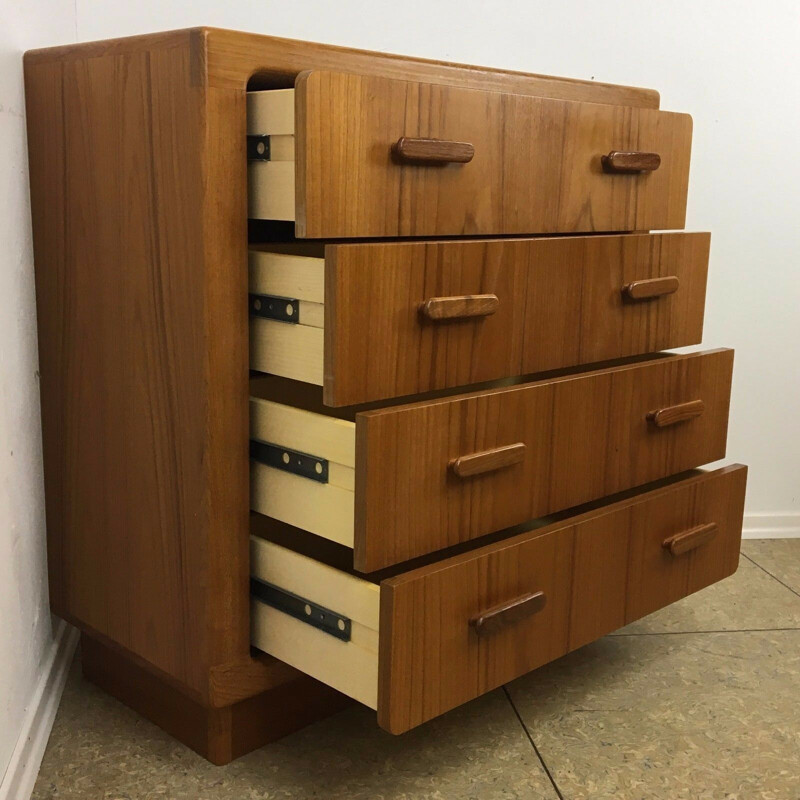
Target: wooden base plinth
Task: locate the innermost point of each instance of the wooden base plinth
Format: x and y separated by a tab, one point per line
218	734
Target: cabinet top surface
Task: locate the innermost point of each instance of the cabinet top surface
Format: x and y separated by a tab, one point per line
230	59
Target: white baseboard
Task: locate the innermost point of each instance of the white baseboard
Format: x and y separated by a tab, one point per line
771	526
20	776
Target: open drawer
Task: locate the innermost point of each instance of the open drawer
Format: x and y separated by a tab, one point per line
373	321
347	155
425	641
401	481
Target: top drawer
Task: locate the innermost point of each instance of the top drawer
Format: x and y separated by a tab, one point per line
524	164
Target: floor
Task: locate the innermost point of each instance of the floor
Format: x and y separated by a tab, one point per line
700	700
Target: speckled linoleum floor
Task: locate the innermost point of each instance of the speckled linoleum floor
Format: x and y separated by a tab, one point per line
698	701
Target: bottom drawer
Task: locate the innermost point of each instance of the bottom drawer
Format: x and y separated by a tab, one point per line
427	640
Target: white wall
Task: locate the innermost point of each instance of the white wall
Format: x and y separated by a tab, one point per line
26	637
733	66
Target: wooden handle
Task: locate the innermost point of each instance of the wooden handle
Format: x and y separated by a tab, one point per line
618	161
671	415
433	151
688	540
500	616
488	460
650	288
461	307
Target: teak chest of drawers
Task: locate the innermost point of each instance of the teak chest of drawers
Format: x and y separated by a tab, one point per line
352	375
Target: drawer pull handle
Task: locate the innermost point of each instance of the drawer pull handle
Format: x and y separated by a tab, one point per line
488	460
497	617
623	162
463	307
683	542
432	151
650	288
671	415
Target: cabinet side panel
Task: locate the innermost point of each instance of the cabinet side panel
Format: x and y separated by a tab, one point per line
227	361
117	195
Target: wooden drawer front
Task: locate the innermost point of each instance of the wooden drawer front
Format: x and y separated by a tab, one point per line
536	163
541	304
426	669
625	568
441	635
408	480
584	437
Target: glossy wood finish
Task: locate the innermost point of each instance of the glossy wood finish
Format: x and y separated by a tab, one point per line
507	613
599	571
138	190
630	162
585	436
684	542
229	59
432	151
140	403
680	412
560	304
232	57
488	460
536	167
462	307
651	288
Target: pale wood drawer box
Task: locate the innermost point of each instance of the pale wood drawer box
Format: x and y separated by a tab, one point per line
406	480
390	319
428	640
350	156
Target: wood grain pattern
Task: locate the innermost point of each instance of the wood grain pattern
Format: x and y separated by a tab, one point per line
218	734
507	613
488	460
638	576
434	151
680	412
427	669
126	418
349	666
559	304
461	307
684	542
628	162
138	228
228	59
233	57
138	189
536	167
444	662
232	683
651	288
585	436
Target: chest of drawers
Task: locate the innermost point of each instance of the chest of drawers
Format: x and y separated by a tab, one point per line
351	375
